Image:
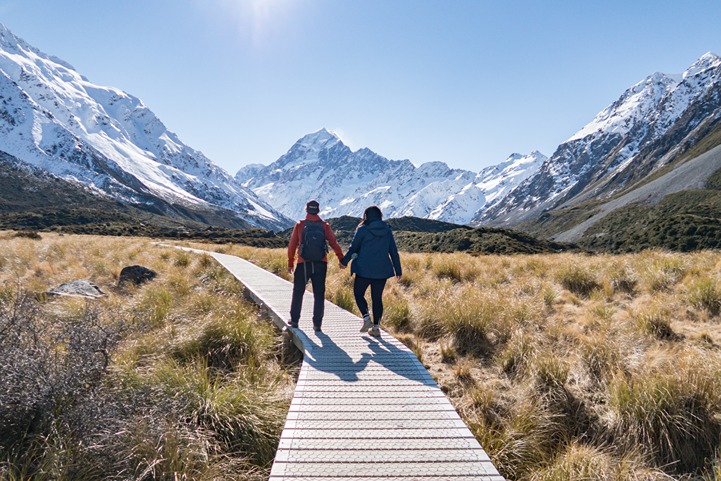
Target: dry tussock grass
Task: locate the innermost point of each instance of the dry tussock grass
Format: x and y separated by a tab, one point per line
568	366
179	378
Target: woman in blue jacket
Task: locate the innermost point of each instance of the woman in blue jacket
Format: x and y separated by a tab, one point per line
375	260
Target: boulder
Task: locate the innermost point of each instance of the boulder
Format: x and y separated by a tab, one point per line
78	288
136	275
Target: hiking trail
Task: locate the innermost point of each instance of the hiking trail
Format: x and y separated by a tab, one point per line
364	408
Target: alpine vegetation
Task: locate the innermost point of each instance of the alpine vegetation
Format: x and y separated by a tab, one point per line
178	378
568	366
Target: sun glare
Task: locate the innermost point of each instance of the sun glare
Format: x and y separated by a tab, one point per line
258	20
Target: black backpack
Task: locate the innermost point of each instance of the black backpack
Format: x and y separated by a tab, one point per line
313	246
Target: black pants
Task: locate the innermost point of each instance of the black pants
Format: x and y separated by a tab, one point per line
315	271
360	286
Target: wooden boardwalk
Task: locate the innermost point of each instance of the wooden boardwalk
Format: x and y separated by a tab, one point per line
364	408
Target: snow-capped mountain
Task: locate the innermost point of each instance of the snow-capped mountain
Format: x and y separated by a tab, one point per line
645	129
321	166
54	118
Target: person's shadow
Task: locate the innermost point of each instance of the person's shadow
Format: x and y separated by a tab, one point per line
327	356
400	361
330	357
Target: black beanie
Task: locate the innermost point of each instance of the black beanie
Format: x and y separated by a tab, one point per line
312	207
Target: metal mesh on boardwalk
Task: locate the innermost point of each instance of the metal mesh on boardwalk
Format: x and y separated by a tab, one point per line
364	408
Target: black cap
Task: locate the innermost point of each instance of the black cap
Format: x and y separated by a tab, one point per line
312	207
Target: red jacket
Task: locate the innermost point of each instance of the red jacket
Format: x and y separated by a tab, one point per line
295	239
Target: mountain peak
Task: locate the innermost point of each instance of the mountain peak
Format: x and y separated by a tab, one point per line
317	141
7	38
322	135
11	43
705	62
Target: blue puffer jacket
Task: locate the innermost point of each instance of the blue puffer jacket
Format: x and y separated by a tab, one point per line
377	252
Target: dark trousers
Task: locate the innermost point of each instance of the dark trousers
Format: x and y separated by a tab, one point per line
360	286
315	271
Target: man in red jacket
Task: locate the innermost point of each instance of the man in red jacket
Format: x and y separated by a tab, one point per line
310	240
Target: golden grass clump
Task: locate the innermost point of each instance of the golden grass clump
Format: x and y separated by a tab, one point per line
664	415
660	271
579	461
577	279
705	293
655	322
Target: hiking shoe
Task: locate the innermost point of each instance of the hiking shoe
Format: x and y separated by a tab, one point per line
367	323
375	331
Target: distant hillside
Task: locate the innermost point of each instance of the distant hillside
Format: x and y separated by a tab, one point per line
33	199
683	221
647	131
345	226
687	172
414	234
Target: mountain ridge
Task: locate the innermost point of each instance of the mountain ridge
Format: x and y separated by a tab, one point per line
636	135
345	182
54	118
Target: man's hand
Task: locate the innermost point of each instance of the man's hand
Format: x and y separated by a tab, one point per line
290	270
342	266
398	278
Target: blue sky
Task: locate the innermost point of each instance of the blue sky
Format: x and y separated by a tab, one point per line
466	82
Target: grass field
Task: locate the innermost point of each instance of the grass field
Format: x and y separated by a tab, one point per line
177	379
565	366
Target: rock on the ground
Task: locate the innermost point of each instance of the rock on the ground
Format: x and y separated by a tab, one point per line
136	275
78	288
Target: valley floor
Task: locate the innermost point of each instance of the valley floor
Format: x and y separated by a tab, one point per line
565	366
